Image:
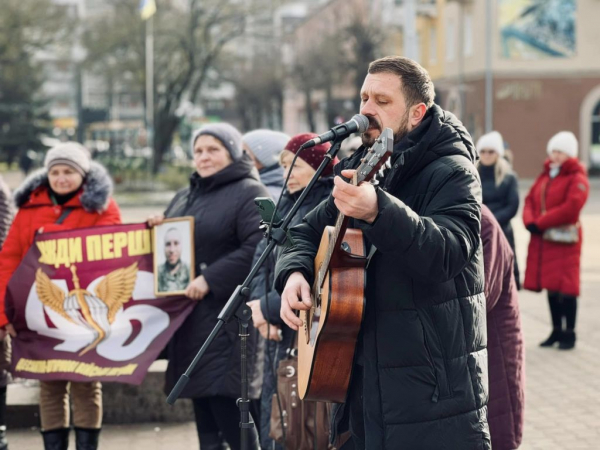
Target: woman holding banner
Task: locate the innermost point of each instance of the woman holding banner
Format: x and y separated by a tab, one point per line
226	231
69	192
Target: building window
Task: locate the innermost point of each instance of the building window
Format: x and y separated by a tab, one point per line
468	35
433	45
450	41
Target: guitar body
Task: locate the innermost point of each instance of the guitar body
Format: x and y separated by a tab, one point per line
327	339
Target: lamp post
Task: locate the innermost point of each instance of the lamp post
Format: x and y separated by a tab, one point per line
78	55
489	95
410	30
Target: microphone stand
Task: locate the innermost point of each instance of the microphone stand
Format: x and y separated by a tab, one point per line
236	306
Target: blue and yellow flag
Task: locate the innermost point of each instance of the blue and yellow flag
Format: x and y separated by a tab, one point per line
147	8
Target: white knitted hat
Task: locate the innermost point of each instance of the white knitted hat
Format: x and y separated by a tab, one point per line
71	154
565	142
491	141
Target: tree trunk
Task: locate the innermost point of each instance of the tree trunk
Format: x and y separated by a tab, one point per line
165	128
310	116
331	112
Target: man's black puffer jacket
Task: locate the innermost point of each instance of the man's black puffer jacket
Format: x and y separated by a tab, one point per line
423	338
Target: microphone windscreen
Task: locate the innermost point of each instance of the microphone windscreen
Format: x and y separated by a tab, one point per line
362	121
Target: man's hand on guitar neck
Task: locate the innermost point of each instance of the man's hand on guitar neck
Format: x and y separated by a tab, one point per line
295	297
359	202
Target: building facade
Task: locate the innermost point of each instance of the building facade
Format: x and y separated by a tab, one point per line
544	66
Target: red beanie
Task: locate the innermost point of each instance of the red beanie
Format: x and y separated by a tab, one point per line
312	156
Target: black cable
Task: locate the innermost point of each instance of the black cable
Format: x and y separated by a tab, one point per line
283	190
272	364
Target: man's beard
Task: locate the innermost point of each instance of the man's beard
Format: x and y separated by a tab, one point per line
368	139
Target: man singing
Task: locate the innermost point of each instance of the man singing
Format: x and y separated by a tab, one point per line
174	274
420	371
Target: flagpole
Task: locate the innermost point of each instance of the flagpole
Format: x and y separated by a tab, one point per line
150	82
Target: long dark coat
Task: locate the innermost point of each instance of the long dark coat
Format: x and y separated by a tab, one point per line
550	265
423	335
226	231
271	304
505	339
503	201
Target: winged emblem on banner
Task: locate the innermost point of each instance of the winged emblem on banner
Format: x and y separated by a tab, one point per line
95	311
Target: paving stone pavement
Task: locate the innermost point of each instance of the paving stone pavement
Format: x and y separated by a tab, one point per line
562	387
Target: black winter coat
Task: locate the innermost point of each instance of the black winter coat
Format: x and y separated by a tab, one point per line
226	232
503	201
276	351
423	336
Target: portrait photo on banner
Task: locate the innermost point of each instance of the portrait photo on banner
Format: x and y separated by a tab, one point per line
173	255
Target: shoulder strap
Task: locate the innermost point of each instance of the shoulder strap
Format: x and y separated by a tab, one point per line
63	216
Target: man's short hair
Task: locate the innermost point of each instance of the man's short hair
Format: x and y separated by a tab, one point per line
417	86
172	229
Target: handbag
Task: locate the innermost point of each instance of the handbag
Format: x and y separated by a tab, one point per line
305	423
567	234
564	234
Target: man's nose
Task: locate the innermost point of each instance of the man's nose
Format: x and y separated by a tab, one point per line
367	109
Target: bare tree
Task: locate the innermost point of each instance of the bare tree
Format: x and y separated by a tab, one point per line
338	60
188	39
26	27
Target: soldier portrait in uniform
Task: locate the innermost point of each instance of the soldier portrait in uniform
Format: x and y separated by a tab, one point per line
173	256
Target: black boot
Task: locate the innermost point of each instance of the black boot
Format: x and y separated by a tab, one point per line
567	341
3	441
56	439
87	438
554	337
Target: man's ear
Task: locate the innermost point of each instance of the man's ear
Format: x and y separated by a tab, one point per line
416	114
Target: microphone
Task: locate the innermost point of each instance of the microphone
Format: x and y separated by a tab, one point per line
358	124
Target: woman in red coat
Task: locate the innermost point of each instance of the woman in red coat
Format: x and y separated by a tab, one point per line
69	192
555	200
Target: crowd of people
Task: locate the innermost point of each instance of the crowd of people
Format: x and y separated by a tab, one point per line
424	355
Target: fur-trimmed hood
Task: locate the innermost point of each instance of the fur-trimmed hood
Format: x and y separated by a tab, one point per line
97	188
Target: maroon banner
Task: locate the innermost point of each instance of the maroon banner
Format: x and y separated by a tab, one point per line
83	305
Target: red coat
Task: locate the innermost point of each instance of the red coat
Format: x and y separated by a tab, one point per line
506	352
551	265
92	206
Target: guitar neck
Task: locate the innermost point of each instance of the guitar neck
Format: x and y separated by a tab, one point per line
341	224
371	162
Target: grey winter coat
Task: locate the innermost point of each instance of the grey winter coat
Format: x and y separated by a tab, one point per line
272	178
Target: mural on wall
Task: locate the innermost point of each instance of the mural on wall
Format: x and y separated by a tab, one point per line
537	29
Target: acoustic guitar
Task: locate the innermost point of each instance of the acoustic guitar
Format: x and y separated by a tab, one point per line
327	339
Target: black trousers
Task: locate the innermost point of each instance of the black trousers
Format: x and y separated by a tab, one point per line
562	306
217	420
354	403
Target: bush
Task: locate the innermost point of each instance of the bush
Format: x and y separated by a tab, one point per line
175	177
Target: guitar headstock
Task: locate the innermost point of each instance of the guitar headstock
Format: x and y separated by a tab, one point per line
376	156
